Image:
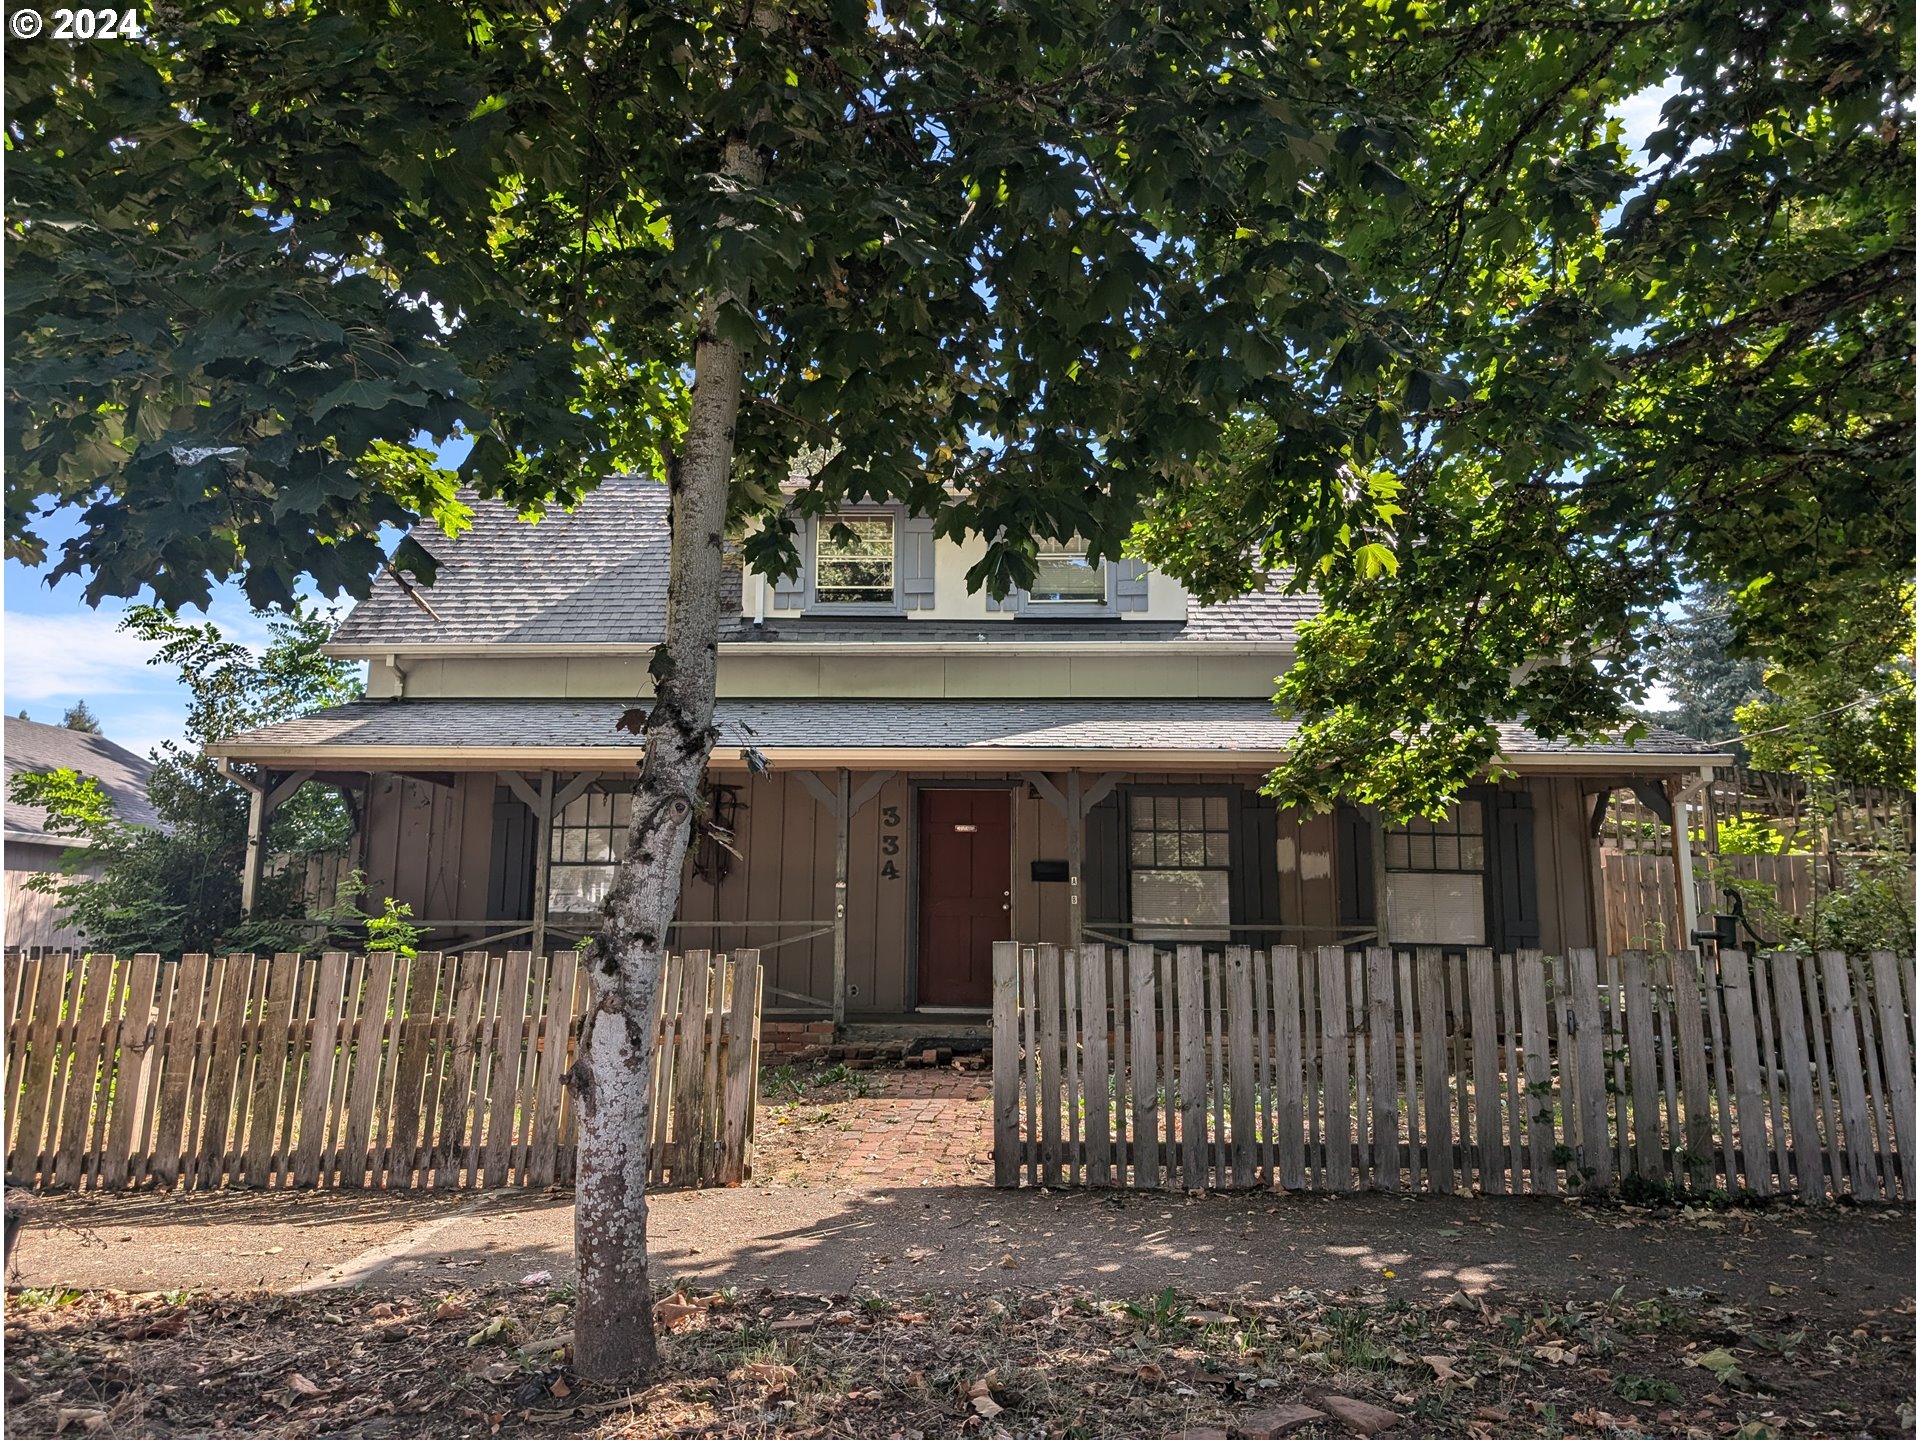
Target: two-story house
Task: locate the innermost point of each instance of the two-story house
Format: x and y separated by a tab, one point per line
1081	759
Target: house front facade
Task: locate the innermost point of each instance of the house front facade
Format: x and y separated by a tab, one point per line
906	772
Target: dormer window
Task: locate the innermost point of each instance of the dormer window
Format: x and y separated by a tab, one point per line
854	560
1064	574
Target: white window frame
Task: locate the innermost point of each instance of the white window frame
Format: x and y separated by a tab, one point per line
820	532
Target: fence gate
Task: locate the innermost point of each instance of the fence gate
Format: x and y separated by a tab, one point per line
427	1071
1773	1074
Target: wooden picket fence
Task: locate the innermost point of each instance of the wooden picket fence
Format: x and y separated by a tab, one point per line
428	1072
1781	1074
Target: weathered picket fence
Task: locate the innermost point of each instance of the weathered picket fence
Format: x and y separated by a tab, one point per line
429	1071
1776	1074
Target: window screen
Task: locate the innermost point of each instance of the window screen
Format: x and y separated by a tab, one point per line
1064	575
1178	856
588	837
853	560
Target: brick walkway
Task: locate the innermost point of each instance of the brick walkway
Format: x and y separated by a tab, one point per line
880	1129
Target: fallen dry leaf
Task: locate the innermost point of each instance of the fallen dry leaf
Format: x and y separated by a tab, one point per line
672	1315
1444	1372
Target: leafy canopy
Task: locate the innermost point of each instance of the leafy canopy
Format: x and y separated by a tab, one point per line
1604	377
1371	293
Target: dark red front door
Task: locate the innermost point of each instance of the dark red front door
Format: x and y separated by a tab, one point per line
966	882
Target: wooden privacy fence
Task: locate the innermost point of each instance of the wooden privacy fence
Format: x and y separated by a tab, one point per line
1642	905
1775	1074
430	1071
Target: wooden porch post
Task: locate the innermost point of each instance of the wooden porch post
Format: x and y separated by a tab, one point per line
263	798
1689	893
843	809
542	854
1076	850
256	848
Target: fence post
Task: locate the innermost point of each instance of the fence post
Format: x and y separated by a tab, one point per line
1006	1063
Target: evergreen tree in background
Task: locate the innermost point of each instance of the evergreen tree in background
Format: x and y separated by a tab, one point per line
1708	681
78	717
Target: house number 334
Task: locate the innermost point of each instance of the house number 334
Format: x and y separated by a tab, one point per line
890	844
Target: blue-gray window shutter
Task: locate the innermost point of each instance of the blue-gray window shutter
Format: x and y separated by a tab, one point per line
791	592
1130	585
916	563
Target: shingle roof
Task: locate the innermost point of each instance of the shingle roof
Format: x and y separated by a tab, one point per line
595	574
598	575
1227	726
121	773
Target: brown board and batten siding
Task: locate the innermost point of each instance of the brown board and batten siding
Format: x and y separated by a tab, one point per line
1564	864
429	845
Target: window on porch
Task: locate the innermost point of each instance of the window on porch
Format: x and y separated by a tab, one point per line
1436	879
1178	852
587	839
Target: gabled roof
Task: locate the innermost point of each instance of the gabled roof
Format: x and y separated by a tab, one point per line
439	732
598	576
36	747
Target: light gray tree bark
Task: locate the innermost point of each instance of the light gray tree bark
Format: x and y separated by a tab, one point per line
613	1333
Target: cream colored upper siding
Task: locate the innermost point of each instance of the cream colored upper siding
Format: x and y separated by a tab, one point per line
1166	597
752	672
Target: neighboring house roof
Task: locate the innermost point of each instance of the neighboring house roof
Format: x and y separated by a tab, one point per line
420	729
121	773
597	575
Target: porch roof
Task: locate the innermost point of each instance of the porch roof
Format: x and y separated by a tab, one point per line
951	734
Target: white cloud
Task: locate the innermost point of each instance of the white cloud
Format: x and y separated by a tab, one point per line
50	657
1639	114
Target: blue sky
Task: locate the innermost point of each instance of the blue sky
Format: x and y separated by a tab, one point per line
58	649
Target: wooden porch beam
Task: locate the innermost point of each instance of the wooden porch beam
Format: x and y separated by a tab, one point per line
866	793
1048	790
524	792
283	792
1098	791
816	788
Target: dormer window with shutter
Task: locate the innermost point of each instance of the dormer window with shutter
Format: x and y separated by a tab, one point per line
871	561
1069	582
1064	574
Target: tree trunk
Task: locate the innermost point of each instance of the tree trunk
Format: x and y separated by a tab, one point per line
613	1333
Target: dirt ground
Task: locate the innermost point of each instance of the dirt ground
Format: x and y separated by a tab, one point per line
871	1260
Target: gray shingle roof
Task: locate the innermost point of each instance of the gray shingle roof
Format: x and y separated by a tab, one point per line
121	773
595	574
1227	726
598	575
